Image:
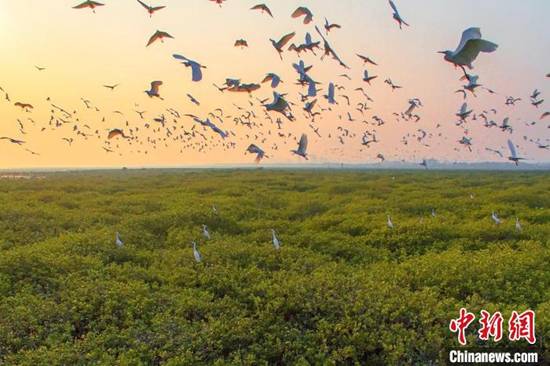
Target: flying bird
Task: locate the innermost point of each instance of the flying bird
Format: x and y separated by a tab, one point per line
367	60
263	8
513	155
112	87
151	9
158	35
12	140
241	43
468	49
255	149
196	68
219	2
88	4
396	16
154	91
302	147
305	12
116	132
273	78
278	45
368	78
330	26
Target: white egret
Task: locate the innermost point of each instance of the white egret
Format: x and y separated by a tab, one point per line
196	67
119	243
196	253
390	223
518	225
396	16
205	232
464	112
275	240
469	48
495	218
255	149
302	147
513	155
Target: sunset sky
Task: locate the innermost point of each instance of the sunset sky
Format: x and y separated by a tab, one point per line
82	51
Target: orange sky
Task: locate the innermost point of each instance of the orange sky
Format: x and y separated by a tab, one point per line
82	51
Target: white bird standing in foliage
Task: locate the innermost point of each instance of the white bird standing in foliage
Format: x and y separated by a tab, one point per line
119	243
469	48
495	218
205	232
196	253
518	225
276	242
390	223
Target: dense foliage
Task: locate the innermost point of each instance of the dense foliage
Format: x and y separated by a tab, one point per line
343	289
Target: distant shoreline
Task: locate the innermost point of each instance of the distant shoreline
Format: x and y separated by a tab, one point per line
390	166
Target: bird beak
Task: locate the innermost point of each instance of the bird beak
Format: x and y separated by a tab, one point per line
441	52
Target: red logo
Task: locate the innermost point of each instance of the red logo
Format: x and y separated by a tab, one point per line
459	325
520	326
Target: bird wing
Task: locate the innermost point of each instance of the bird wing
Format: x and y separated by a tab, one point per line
512	149
285	39
155	85
154	37
471	50
157	8
303	143
196	72
180	57
394	7
85	4
300	11
144	5
468	34
114	133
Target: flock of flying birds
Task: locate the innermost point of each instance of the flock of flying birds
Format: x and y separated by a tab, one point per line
264	119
